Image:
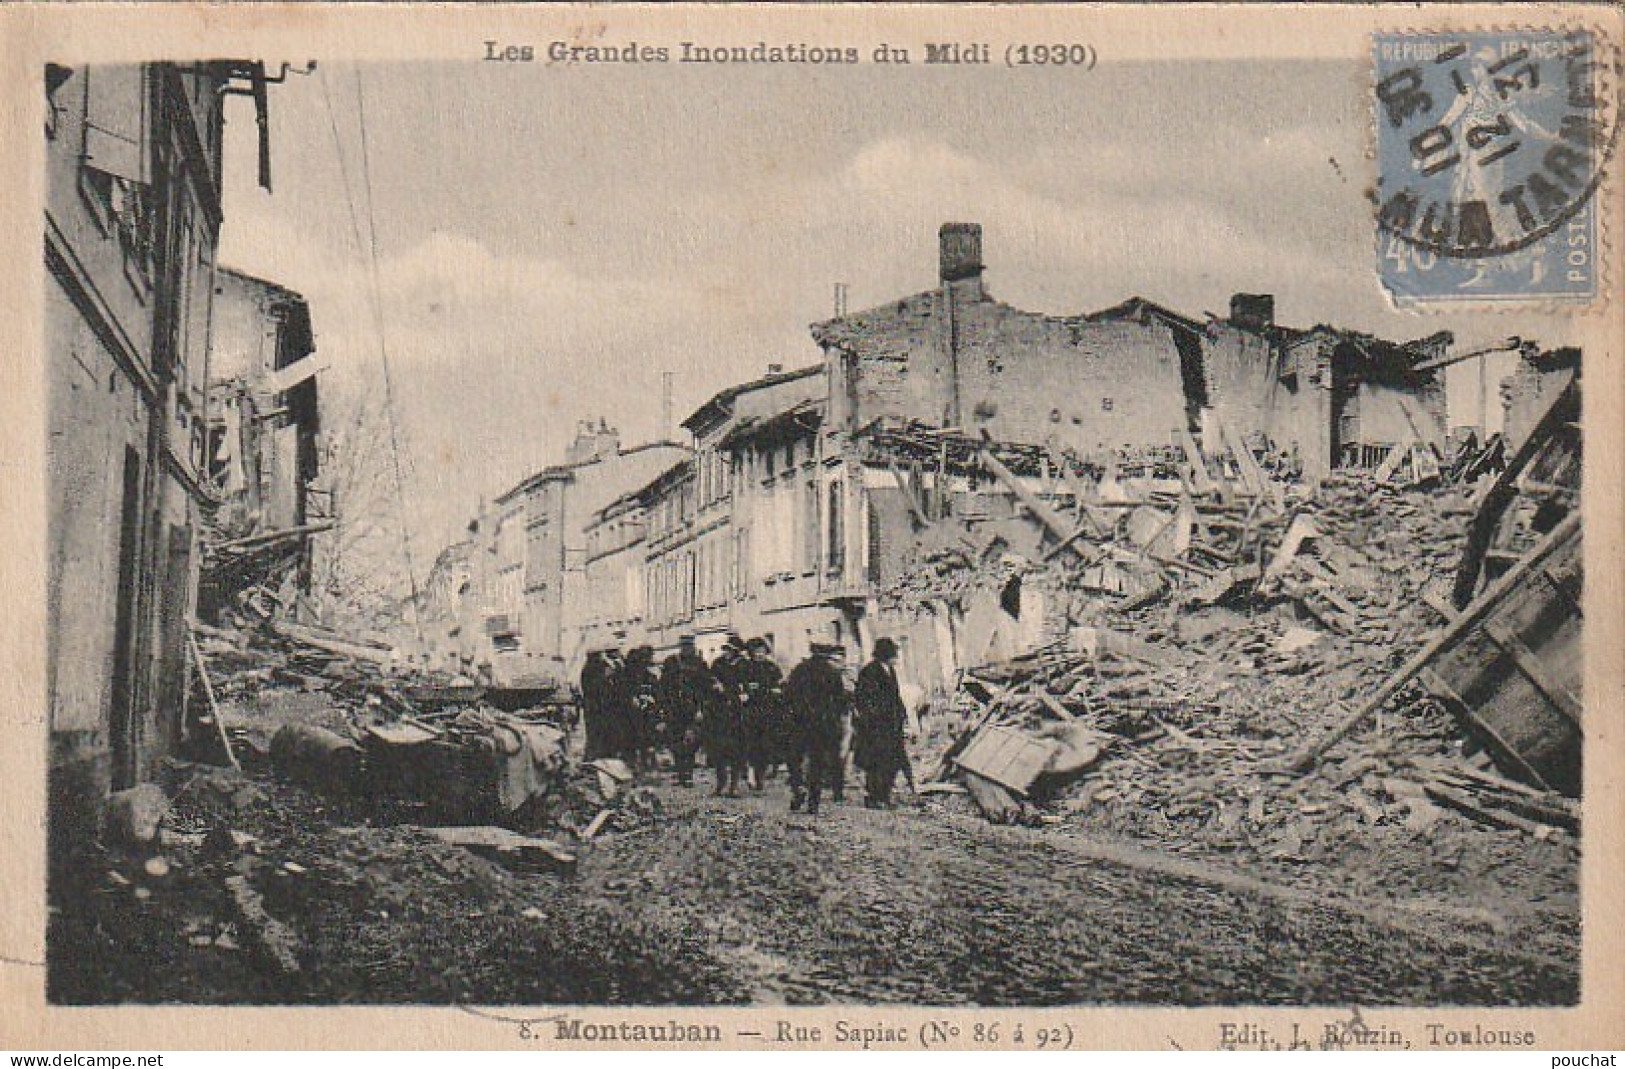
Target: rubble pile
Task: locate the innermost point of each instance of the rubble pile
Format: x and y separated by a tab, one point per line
1234	632
338	716
248	889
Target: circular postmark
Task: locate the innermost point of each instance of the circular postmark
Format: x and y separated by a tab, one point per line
1489	142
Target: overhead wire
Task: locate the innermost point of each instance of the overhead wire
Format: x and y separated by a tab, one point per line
357	422
383	355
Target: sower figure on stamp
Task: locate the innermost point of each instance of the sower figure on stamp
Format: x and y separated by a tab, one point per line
683	680
818	701
878	725
763	729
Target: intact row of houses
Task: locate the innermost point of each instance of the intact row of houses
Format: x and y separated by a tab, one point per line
182	404
795	497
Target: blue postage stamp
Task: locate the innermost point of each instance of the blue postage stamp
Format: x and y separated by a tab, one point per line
1489	147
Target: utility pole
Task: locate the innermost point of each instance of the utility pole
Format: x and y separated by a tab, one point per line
840	299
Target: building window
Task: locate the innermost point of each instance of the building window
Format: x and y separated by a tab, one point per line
810	527
1105	404
872	544
836	553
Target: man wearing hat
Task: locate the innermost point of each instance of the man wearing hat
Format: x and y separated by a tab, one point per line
596	678
878	725
684	682
818	701
640	690
724	714
763	730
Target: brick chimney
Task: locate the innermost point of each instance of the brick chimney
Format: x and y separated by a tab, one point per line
960	247
1253	311
593	442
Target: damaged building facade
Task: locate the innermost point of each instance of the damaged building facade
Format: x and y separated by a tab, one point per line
132	223
264	445
806	493
1133	377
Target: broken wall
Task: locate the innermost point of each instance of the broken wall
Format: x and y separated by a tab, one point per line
1397	414
1528	393
98	427
1021	376
1242	374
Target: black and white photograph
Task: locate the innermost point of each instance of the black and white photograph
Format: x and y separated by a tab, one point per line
636	513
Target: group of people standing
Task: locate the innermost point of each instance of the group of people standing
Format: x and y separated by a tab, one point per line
749	719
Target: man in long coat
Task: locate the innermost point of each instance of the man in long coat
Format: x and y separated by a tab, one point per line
724	717
878	725
818	701
762	682
596	679
684	682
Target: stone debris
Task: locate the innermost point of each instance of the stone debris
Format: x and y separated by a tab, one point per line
1198	674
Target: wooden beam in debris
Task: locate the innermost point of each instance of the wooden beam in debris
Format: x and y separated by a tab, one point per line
1040	510
1251	473
333	644
1470	617
908	495
1074	486
271	536
1066	543
214	706
1201	479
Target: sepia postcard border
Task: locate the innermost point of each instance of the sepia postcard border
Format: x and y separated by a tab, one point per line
33	34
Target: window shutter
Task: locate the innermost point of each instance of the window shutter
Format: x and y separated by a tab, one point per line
116	120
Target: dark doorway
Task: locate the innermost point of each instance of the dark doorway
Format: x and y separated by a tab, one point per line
122	718
1345	407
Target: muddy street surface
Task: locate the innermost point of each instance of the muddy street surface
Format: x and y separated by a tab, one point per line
904	906
740	901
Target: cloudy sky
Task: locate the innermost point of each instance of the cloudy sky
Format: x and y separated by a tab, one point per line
550	240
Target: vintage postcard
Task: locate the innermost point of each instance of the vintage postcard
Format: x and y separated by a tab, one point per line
847	527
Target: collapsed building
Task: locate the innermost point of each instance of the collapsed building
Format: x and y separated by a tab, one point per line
132	224
981	483
1133	377
264	447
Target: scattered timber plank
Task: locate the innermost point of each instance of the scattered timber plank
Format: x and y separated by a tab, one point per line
1390	464
1464	803
1040	510
908	496
1193	454
214	706
311	637
508	848
271	536
1534	669
1226	581
1066	543
1010	758
1439	604
1054	706
1475	613
1145	597
273	940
